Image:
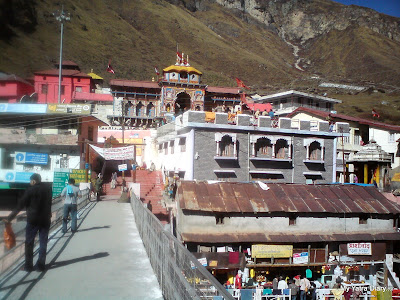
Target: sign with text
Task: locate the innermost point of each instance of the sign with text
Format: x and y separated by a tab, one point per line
359	249
59	182
300	258
15	176
268	251
77	109
23	108
122	167
78	175
31	158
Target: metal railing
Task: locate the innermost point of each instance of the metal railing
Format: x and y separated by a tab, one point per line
9	257
179	273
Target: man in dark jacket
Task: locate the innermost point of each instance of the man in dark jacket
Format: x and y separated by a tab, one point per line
37	201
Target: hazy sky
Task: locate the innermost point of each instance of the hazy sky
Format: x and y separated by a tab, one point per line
389	7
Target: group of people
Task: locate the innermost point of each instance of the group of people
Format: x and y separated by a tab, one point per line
37	201
301	288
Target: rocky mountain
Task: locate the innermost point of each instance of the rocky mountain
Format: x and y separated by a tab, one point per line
270	44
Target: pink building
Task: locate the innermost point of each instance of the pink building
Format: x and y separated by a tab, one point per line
12	88
73	81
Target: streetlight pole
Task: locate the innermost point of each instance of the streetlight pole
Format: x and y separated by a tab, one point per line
62	17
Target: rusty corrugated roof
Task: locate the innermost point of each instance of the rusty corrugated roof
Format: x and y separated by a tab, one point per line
233	197
285	238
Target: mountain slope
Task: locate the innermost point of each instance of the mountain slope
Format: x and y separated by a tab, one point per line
250	39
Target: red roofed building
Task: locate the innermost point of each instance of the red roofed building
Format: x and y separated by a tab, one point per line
73	80
13	88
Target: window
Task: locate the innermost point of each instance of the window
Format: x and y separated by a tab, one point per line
62	89
263	147
391	157
292	220
182	144
90	133
159	148
357	137
219	220
315	151
45	88
165	148
391	137
226	147
363	220
281	149
78	89
79	80
172	146
44	77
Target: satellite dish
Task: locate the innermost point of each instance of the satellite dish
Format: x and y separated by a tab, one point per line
25	99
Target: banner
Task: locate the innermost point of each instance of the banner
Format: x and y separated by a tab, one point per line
268	251
120	153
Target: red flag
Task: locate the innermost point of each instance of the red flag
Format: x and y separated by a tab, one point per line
179	54
155	69
110	68
375	114
241	83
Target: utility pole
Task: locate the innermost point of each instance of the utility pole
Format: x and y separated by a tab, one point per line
61	17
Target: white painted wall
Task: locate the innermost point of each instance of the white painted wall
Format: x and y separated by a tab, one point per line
280	225
178	161
382	138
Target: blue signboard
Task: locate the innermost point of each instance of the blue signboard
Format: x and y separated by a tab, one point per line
14	176
32	158
23	108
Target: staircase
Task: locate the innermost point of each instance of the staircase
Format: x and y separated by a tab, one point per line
151	191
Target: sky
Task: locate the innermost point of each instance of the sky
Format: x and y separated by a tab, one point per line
389	7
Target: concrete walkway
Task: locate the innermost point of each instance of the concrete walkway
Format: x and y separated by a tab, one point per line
105	259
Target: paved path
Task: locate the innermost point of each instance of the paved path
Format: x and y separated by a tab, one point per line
105	259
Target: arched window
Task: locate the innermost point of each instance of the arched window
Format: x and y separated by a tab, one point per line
226	146
315	151
150	108
139	109
281	149
263	147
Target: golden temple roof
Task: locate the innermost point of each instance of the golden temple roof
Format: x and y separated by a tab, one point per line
188	69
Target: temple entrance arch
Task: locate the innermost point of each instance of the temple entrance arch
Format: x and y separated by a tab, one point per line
182	103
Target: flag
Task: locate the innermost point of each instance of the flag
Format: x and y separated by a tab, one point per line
241	83
157	72
375	114
178	58
110	68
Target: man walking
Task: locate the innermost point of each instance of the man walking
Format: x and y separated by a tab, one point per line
70	192
37	201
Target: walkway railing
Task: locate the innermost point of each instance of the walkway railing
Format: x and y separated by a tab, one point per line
9	257
179	273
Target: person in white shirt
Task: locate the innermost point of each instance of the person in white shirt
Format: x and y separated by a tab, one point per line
282	284
304	287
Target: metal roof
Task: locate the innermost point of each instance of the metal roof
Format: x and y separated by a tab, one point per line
235	197
223	90
135	83
65	72
294	93
222	238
